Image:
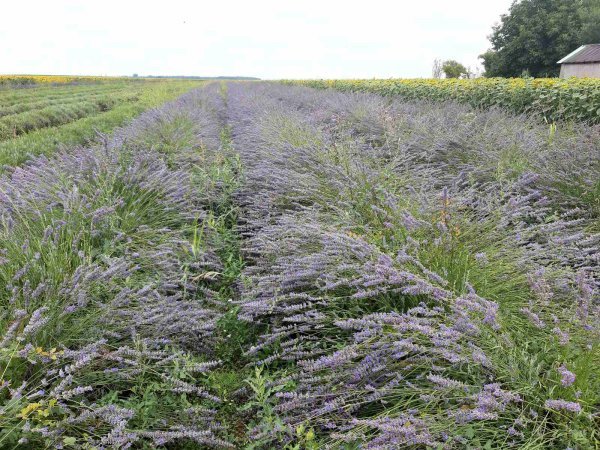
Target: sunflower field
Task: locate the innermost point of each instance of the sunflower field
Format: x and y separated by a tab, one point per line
552	98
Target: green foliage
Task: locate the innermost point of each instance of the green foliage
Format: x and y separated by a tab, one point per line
16	81
267	424
551	99
535	34
85	129
590	18
18	124
454	69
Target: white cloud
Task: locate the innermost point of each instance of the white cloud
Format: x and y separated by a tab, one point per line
264	38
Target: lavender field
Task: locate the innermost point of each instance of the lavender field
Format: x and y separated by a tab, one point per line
264	266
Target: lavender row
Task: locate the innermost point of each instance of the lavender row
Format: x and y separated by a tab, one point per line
108	337
376	233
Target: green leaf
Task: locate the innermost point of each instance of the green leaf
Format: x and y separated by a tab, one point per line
69	440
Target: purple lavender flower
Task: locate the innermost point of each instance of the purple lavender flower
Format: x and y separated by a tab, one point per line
567	377
563	405
563	336
533	317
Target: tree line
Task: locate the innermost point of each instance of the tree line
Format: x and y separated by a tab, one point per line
535	34
532	37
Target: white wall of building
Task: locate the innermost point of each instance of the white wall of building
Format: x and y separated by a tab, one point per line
591	70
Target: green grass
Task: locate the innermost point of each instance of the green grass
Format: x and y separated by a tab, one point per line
85	130
26	97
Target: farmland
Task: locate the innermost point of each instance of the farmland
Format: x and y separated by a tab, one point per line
32	80
37	120
263	265
550	99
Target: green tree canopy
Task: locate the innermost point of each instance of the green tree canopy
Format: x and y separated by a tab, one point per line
454	69
535	34
590	19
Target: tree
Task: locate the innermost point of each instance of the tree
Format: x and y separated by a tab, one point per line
437	70
535	34
469	73
454	69
590	20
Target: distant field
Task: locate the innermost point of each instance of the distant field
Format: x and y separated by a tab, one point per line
11	81
38	119
25	80
20	114
552	98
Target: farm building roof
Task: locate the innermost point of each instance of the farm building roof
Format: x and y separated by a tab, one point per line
585	54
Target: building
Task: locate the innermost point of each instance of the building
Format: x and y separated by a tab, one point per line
583	62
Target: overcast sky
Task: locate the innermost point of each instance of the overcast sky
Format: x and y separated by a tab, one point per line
262	38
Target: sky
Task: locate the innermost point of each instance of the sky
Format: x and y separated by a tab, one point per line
269	39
